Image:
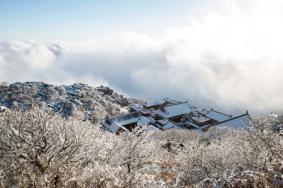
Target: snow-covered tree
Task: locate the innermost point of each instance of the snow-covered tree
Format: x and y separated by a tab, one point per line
39	148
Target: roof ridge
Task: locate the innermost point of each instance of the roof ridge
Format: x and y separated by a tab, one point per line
211	109
242	115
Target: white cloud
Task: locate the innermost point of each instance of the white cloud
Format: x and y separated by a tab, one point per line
228	56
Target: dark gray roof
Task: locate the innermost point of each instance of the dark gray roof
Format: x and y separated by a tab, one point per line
173	101
163	113
217	116
118	122
113	127
136	107
242	121
151	104
166	124
174	110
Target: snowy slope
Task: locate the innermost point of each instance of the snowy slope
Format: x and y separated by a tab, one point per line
78	100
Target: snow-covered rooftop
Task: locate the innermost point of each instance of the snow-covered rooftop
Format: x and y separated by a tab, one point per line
166	124
200	119
176	114
3	108
242	121
217	116
119	122
174	110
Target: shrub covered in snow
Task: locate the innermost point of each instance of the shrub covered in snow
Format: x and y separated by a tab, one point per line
39	148
78	100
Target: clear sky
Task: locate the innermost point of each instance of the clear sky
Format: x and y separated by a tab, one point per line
78	19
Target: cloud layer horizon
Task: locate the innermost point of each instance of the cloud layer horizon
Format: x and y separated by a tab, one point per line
228	55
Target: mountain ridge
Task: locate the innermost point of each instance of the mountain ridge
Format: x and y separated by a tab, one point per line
81	100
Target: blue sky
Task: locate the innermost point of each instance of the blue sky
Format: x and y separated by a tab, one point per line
207	51
75	20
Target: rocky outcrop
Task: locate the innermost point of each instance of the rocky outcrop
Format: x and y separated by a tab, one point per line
79	100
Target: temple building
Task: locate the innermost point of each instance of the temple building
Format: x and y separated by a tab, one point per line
170	114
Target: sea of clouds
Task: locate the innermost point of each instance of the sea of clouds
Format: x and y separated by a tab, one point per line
228	55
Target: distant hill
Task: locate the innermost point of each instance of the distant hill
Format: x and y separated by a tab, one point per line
79	99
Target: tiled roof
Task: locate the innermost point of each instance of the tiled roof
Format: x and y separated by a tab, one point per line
237	122
174	110
165	118
217	116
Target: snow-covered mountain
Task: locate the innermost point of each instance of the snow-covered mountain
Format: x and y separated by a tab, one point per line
79	99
